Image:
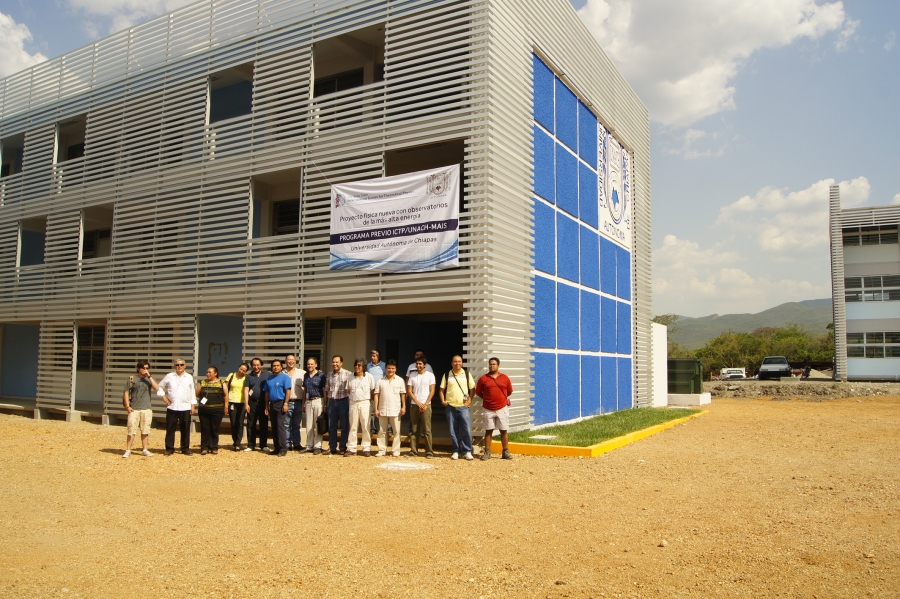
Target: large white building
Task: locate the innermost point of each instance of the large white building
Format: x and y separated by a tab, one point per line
165	192
865	273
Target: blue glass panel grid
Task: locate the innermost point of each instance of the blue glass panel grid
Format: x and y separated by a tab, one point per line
567	262
544	166
566	116
544	312
566	180
608	381
543	93
544	238
544	387
568	318
590	385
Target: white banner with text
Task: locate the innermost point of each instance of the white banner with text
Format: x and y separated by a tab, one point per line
404	223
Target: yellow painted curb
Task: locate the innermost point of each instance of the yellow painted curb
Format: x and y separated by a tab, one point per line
591	451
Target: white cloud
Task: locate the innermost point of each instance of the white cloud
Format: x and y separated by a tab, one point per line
690	141
847	35
695	282
896	199
784	222
891	40
682	57
13	55
121	14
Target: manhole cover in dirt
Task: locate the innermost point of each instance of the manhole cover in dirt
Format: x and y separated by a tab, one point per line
404	466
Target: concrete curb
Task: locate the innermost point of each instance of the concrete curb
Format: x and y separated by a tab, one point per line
591	451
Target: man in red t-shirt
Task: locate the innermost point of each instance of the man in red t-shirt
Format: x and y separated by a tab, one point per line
494	388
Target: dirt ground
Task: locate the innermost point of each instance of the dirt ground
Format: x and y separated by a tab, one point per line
757	498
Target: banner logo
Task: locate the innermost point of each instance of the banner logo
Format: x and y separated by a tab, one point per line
438	183
339	200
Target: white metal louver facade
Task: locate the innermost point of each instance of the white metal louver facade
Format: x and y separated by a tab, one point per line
181	187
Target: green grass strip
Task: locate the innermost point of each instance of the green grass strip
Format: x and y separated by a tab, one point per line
601	428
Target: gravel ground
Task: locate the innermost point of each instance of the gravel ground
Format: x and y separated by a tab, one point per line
758	498
796	389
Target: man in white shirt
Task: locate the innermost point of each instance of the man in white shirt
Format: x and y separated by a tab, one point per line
410	370
390	406
420	390
177	391
362	391
294	414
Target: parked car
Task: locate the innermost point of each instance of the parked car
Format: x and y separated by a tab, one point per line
774	367
732	373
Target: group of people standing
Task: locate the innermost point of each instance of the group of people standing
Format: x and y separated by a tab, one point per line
373	398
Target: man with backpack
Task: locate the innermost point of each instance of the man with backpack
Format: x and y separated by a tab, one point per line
136	400
457	390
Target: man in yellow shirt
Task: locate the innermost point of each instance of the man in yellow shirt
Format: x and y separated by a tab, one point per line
457	390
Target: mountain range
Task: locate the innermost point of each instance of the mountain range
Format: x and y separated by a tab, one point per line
813	315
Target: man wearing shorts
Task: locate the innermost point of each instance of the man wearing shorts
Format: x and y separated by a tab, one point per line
137	403
494	388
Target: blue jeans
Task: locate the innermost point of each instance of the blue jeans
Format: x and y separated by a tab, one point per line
292	424
338	411
459	420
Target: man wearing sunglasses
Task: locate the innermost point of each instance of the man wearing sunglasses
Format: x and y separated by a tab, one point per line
177	391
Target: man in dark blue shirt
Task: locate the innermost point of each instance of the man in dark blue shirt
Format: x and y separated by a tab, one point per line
256	412
278	393
313	385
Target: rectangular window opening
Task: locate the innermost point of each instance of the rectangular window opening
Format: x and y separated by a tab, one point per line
32	241
231	93
13	150
348	60
96	226
70	138
91	346
275	204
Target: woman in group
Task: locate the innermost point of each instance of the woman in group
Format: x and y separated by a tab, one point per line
211	410
238	400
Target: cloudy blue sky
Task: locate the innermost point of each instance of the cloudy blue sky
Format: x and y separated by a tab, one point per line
756	107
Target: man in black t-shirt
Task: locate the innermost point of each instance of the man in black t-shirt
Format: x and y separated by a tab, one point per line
136	399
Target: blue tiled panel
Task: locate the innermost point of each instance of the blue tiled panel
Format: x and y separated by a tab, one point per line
544	238
566	116
544	166
587	135
567	247
590	258
608	325
568	379
590	385
544	312
623	333
590	321
567	318
607	266
544	388
625	400
566	180
623	273
608	381
587	195
543	93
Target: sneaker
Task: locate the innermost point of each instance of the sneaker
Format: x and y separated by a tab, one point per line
486	455
146	453
170	451
267	450
203	452
282	453
214	452
396	454
302	450
366	453
428	456
249	449
127	453
414	453
469	456
349	454
317	451
380	454
506	455
454	456
237	448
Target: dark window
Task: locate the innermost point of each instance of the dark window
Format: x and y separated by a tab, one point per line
314	332
871	282
32	241
13	152
96	244
231	93
888	238
286	217
854	338
892	351
875	352
70	137
892	337
851	239
852	297
871	239
91	345
75	151
874	337
343	323
853	283
892	295
856	351
340	82
891	281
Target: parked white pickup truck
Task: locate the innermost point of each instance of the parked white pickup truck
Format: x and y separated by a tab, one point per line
732	373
